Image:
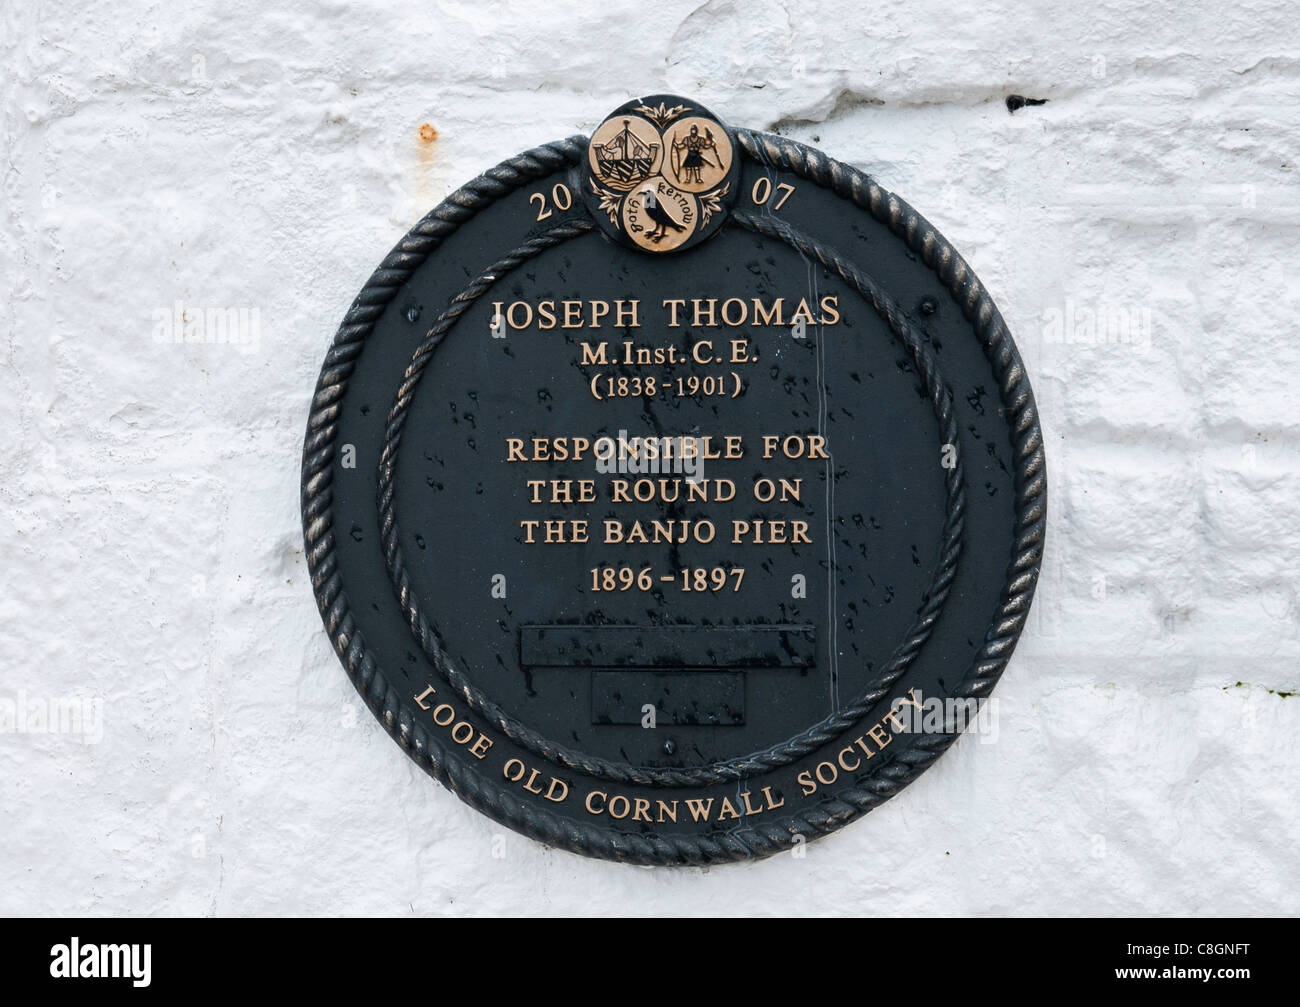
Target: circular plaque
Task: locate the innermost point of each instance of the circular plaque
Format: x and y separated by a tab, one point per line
676	496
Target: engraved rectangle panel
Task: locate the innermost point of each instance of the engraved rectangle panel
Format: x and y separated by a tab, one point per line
679	698
764	646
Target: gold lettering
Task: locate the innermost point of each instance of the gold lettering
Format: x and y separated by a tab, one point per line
551	795
892	717
795	446
528	315
618	314
572	314
770	317
546	312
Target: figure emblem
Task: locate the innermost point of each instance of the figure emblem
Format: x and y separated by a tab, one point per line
697	160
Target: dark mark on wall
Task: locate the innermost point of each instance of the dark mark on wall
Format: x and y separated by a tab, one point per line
1018	101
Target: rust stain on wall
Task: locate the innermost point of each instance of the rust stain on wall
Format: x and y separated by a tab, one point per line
425	146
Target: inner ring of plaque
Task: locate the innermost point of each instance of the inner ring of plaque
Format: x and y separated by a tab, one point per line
548	632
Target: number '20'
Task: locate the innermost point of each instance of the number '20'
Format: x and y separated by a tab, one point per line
560	196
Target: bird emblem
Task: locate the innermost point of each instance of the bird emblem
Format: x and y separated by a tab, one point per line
659	214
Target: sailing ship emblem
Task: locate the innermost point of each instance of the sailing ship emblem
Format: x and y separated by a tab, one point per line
625	158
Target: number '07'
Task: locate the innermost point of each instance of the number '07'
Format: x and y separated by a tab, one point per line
762	192
560	196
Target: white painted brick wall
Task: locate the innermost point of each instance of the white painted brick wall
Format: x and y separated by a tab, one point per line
239	154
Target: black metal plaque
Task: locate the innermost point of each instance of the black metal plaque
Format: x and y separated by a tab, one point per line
655	481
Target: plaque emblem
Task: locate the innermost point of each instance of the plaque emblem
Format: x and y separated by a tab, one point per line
674	495
659	174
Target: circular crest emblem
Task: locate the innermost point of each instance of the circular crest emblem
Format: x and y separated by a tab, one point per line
660	174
